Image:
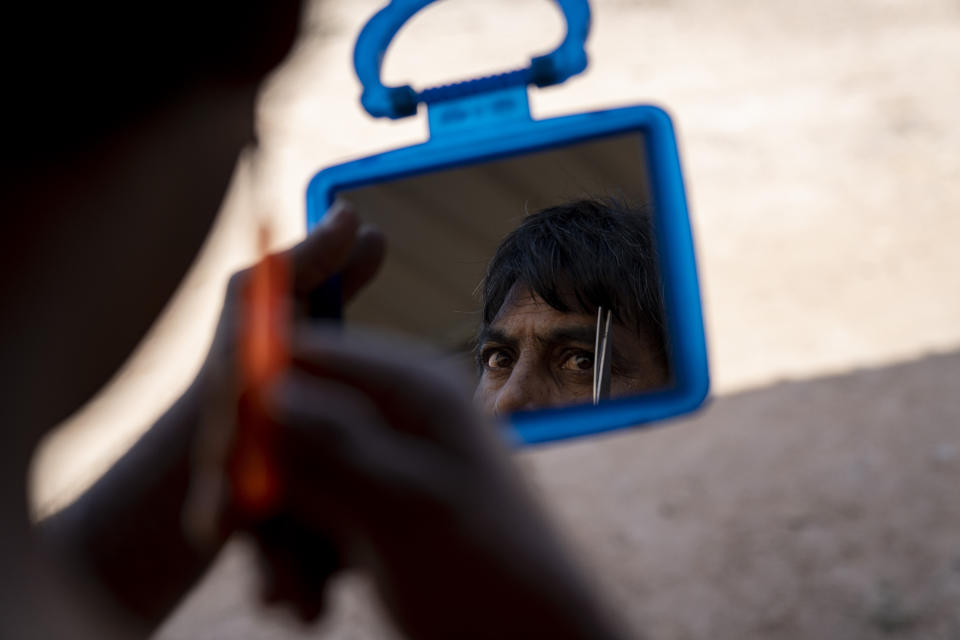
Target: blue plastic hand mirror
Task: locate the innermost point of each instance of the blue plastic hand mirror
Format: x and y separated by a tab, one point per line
552	257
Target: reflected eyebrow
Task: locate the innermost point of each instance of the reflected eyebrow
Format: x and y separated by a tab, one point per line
492	334
573	333
578	333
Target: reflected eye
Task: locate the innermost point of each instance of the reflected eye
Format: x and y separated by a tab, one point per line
578	361
495	358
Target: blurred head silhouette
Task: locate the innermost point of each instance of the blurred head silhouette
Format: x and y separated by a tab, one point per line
125	121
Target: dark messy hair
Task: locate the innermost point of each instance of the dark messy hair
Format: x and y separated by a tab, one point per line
579	256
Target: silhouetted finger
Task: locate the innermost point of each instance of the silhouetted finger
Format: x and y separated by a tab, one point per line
326	250
412	389
364	261
297	565
345	467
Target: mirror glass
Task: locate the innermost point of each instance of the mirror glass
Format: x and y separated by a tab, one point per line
510	266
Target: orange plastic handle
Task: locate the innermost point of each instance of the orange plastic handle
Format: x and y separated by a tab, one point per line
264	354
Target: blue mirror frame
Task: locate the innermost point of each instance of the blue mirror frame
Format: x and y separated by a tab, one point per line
486	120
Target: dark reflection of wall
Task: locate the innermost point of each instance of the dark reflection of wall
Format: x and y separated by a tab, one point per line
443	227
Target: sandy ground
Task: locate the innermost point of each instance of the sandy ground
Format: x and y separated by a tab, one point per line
812	499
820	509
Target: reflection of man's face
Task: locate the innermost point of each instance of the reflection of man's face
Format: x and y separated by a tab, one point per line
534	356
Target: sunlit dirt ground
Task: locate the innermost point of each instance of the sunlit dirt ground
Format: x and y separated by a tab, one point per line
817	496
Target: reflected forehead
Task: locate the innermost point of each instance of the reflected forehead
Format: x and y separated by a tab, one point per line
522	301
522	308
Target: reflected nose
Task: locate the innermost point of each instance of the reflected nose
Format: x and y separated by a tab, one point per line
523	390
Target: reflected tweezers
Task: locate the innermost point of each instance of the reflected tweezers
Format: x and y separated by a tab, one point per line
601	357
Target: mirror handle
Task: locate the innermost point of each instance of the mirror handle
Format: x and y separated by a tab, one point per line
567	60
